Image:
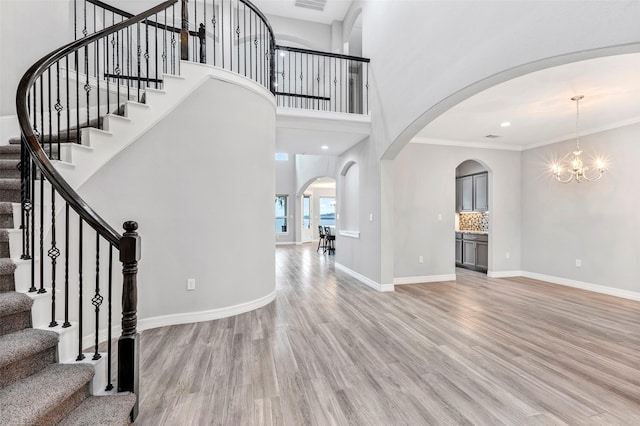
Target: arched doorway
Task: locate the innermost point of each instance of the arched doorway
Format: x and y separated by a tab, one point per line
317	207
472	221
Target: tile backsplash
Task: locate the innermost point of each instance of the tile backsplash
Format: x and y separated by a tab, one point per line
474	222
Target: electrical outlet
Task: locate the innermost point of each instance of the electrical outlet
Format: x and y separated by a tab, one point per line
191	284
420	259
578	263
507	255
370	217
440	217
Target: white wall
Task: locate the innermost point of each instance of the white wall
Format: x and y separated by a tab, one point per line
203	199
28	31
424	187
595	222
294	32
364	255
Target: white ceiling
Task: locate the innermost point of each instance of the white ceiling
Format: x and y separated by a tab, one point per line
306	132
333	11
323	183
539	108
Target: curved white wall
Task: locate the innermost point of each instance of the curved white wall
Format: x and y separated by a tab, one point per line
201	185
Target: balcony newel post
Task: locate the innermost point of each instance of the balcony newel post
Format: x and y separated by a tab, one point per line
184	31
129	341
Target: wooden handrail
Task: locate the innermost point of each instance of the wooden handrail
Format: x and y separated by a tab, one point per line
31	141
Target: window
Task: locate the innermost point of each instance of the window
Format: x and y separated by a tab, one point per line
327	211
282	156
281	213
306	212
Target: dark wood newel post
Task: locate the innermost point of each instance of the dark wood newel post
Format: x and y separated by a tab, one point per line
129	341
184	32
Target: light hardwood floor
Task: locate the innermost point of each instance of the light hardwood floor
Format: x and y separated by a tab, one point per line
330	350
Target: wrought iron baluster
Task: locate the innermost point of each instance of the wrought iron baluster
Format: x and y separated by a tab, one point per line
49	111
146	52
156	50
66	323
222	30
213	22
238	32
80	356
42	289
138	56
33	223
173	43
77	65
53	254
87	86
109	320
97	299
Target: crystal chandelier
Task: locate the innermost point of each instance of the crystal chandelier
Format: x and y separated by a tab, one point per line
574	169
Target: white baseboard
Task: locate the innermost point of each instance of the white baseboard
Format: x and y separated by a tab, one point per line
285	243
424	279
213	314
367	281
611	291
504	274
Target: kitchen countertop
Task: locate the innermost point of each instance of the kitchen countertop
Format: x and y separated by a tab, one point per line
474	232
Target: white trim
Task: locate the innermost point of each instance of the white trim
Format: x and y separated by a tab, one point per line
367	281
213	314
424	279
510	147
504	274
583	133
482	145
611	291
285	243
349	234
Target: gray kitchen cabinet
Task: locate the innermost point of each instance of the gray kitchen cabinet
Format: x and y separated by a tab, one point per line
468	253
480	192
472	193
482	255
472	251
464	194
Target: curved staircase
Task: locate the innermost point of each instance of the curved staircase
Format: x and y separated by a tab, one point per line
34	388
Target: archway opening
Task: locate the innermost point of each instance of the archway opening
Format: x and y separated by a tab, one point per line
472	222
317	206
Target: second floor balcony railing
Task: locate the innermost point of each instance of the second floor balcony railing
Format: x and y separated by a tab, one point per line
234	35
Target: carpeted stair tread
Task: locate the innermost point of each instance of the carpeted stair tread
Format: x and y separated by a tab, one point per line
25	343
108	410
9	184
43	397
12	302
15	310
9	163
4	236
7	266
10	151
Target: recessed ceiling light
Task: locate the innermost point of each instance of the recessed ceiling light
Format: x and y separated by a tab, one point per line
324	147
505	124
